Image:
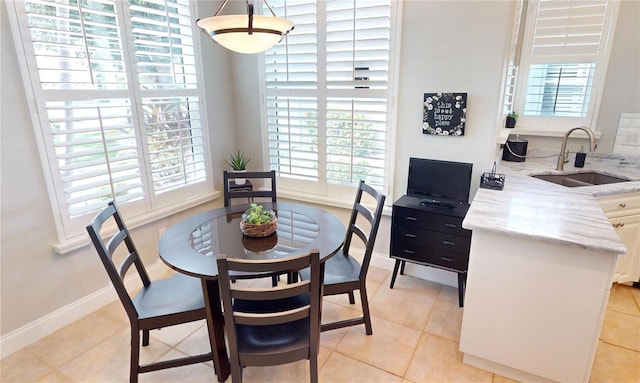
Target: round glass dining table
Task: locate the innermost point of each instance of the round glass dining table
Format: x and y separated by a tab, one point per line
191	247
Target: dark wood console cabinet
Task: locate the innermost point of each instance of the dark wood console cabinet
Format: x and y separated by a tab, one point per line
430	236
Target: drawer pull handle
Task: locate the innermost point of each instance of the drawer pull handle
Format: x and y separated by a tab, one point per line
621	224
623	205
410	235
447	259
449	243
409	251
411	219
451	225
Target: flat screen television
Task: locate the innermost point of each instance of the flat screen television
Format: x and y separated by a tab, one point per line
439	181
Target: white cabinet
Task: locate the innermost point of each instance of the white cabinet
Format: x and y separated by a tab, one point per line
623	210
533	309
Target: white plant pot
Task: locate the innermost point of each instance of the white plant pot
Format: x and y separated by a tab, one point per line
240	181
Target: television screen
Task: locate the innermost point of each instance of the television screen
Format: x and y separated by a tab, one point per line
439	180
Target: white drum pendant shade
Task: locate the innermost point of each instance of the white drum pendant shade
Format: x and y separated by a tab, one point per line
232	32
246	33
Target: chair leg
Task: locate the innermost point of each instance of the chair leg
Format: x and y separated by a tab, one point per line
145	337
274	280
352	298
313	369
236	373
365	310
134	362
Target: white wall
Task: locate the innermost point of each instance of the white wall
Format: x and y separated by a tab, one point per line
451	46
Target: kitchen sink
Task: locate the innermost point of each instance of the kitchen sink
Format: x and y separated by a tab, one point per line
580	179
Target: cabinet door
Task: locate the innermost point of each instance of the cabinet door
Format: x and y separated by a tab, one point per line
628	267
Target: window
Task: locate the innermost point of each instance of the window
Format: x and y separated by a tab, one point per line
120	112
327	88
563	62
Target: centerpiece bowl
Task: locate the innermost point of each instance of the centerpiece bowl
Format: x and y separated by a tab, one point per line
257	222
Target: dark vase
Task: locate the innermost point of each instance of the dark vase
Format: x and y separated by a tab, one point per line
511	122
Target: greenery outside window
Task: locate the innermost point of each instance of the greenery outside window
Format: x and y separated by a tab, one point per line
119	111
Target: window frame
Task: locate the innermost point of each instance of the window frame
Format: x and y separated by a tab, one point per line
557	125
322	192
70	232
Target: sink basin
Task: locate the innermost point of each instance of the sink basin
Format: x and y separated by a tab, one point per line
580	179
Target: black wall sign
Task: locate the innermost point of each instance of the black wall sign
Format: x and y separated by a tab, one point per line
444	114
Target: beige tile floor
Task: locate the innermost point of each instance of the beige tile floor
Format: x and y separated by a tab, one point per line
416	329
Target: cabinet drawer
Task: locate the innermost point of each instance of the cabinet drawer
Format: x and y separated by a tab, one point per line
620	204
429	221
415	237
430	256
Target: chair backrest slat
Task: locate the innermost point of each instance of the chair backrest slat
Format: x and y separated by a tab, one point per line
249	194
115	241
284	264
360	233
277	292
270	319
365	212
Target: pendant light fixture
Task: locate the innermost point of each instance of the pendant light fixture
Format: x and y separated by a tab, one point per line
246	33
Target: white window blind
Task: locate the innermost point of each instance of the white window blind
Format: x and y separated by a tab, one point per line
569	28
327	93
356	133
118	100
564	60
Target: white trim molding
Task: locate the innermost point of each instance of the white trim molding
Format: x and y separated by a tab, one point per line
52	322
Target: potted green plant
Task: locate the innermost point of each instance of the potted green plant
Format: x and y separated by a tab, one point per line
257	222
238	162
510	122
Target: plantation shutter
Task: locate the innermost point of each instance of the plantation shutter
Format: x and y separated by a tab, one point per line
358	44
120	111
358	34
291	77
570	28
166	64
565	47
327	87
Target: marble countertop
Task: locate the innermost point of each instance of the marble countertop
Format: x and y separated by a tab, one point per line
544	211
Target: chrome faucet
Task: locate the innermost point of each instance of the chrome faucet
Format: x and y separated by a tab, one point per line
562	157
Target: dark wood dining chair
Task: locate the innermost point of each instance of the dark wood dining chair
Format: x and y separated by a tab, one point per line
249	195
256	191
272	325
160	303
343	273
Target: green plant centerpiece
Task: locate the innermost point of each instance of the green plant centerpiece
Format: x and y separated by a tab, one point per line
257	222
238	160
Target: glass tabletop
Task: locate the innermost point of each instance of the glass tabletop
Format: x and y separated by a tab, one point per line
191	246
294	232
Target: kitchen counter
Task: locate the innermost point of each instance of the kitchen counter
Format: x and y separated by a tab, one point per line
538	209
541	264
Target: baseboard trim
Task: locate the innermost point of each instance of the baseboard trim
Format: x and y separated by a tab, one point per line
52	322
382	261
